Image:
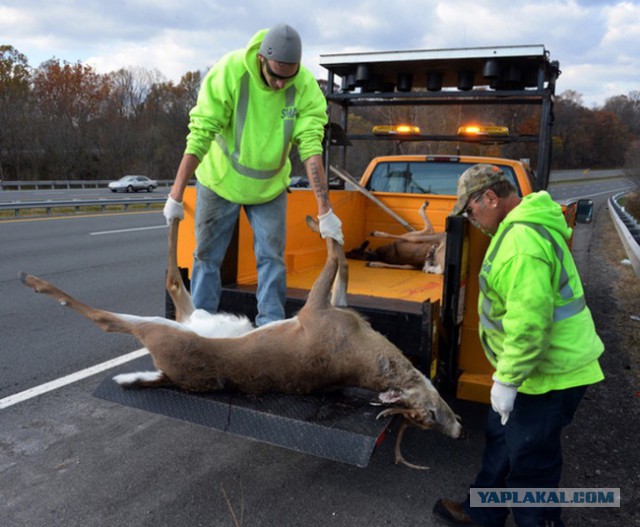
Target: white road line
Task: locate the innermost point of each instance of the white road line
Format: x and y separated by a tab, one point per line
98	233
69	379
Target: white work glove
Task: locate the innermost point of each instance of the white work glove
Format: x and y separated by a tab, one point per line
502	399
173	209
331	226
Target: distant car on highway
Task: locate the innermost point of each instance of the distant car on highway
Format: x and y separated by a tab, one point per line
133	184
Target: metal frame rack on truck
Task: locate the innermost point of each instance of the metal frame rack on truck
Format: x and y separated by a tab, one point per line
476	76
431	317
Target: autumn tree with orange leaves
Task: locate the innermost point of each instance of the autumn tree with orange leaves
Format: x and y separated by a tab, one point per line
66	121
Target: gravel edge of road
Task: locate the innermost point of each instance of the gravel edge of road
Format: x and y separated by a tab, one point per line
601	445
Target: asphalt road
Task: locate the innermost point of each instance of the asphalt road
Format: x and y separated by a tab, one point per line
113	261
9	196
69	459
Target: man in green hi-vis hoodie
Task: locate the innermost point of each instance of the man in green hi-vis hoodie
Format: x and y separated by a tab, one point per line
253	105
538	334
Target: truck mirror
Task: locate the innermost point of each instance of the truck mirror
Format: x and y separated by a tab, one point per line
584	211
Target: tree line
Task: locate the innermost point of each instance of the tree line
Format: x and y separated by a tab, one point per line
63	120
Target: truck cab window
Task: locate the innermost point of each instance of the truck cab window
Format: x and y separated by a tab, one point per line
422	177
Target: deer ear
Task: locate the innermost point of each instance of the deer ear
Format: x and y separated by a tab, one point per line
391	396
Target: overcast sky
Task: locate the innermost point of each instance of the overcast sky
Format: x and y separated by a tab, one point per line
596	42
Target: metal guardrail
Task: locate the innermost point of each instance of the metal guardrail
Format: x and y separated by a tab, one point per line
629	231
556	176
65	184
49	205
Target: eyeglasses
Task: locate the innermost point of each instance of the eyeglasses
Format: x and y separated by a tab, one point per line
467	211
277	76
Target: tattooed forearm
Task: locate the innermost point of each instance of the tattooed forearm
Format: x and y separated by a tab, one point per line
315	172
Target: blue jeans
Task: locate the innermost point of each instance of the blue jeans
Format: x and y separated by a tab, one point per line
526	452
215	221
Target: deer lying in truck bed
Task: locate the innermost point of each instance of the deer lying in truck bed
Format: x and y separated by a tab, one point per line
323	346
423	250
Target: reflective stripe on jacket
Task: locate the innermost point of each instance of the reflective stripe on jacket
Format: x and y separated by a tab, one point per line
242	130
535	326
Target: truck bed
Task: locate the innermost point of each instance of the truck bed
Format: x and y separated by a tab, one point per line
398	284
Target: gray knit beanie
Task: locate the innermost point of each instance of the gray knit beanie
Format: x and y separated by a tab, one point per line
282	43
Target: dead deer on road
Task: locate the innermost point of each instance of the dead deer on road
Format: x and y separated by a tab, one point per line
323	346
423	250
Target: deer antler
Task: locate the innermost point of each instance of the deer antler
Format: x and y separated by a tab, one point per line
407	414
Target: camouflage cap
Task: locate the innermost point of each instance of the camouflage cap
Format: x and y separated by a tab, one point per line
475	179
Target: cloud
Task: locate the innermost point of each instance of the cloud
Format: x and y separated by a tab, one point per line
623	29
612	66
596	42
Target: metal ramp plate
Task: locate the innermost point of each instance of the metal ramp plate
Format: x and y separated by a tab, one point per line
337	426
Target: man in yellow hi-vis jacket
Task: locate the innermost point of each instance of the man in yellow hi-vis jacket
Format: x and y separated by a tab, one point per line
538	334
253	105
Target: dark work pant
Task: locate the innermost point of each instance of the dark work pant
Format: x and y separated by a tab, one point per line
526	452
